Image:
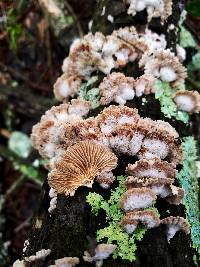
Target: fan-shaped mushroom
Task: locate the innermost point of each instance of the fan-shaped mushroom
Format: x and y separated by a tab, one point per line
175	224
188	101
137	198
147	217
79	166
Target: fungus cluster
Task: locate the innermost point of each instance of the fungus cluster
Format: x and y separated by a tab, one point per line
46	134
81	150
99	53
155	8
119	128
151	179
102	252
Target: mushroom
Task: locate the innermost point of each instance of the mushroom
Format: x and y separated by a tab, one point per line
102	252
176	195
66	86
147	217
155	168
105	179
116	115
137	198
47	135
155	8
144	85
188	101
165	65
116	87
79	165
66	262
175	224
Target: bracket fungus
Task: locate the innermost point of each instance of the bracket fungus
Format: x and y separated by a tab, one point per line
46	135
102	252
105	179
165	65
188	101
79	165
155	168
147	217
155	8
137	198
175	224
66	262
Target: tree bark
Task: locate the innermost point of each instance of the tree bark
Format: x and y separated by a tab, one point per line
69	230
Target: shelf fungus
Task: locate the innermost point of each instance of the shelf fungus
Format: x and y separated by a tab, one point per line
147	217
155	168
116	87
175	224
137	198
79	165
105	179
46	135
165	65
114	116
102	252
188	101
66	262
155	8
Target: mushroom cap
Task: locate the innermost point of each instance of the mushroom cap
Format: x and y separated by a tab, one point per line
176	195
103	251
152	168
137	198
113	86
67	262
147	217
175	224
154	62
132	181
188	101
105	179
79	166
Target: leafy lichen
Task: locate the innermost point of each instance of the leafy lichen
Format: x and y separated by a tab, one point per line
164	93
187	177
114	234
89	92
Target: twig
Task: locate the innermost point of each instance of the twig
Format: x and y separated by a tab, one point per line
23	224
14	186
193	83
22	77
80	31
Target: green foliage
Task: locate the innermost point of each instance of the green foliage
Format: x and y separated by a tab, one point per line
195	64
114	234
186	38
193	8
187	178
89	92
20	144
13	28
164	93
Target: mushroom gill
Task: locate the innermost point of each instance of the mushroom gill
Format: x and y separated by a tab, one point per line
79	166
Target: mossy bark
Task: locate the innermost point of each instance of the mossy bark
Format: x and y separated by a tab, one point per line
71	229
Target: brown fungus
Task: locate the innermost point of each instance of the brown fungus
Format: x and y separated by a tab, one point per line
66	262
175	224
137	198
147	217
79	165
155	168
102	252
188	101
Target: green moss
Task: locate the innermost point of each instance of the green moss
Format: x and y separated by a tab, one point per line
164	93
114	234
187	177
